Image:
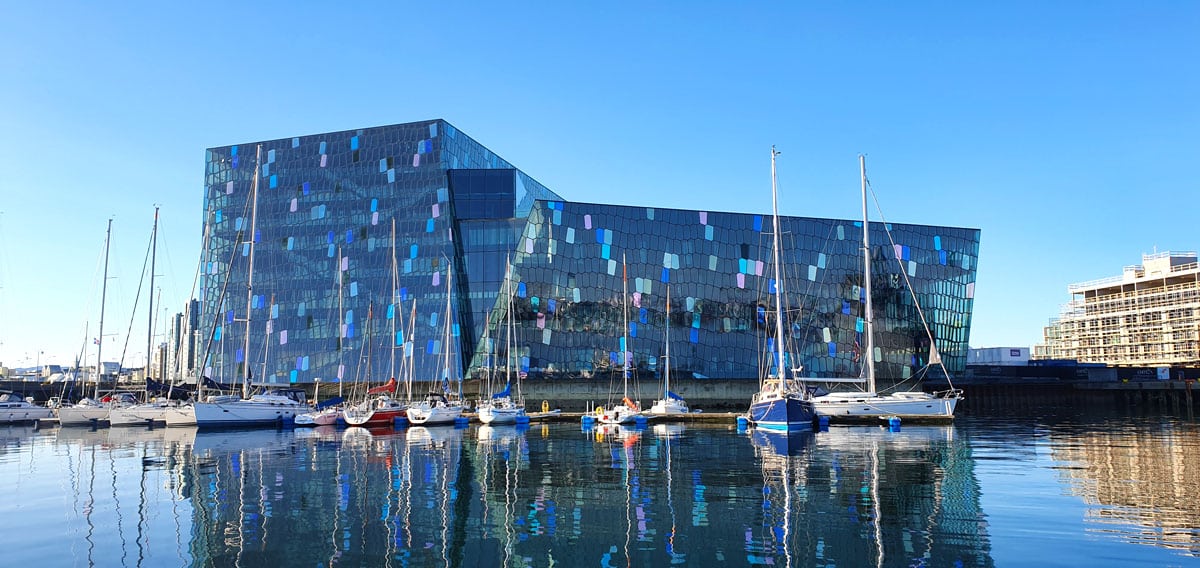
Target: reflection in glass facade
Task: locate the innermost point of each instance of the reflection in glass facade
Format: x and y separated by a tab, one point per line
458	207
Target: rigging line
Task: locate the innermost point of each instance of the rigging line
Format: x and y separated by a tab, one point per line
907	282
136	300
187	318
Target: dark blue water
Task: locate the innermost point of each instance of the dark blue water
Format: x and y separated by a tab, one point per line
987	491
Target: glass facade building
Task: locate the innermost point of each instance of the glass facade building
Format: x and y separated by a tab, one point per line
338	294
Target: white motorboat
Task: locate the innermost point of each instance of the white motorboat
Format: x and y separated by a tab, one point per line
13	408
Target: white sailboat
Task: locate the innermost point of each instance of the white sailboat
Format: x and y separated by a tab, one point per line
870	404
781	403
626	410
503	407
670	403
267	408
94	411
328	413
443	406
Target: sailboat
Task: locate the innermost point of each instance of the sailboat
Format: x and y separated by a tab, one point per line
267	408
378	408
625	411
94	411
871	404
503	407
781	403
381	408
442	407
149	412
327	413
670	403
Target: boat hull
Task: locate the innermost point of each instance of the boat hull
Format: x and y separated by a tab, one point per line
620	414
783	414
24	413
434	416
502	415
326	417
372	418
183	415
866	407
143	414
669	407
243	413
83	416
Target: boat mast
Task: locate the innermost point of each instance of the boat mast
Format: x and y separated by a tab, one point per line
341	322
446	365
778	278
625	337
103	296
394	310
508	335
250	273
868	317
412	325
150	309
511	336
667	352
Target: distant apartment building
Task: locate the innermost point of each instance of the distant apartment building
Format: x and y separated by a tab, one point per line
1147	316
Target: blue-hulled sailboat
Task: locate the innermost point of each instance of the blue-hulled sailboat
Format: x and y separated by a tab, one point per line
781	403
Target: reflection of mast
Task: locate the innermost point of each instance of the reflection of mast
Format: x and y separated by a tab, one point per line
670	497
510	489
628	473
877	509
117	507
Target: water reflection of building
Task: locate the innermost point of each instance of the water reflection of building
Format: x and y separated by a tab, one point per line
866	496
1143	485
503	496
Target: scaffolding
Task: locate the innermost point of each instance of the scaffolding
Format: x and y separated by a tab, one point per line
1148	316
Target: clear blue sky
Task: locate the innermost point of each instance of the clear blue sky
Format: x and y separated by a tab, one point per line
1068	132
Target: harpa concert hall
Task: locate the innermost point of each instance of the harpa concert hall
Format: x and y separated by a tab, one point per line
385	252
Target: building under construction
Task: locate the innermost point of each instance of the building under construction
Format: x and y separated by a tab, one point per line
1147	316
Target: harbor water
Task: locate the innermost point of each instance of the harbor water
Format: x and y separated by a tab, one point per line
1061	490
